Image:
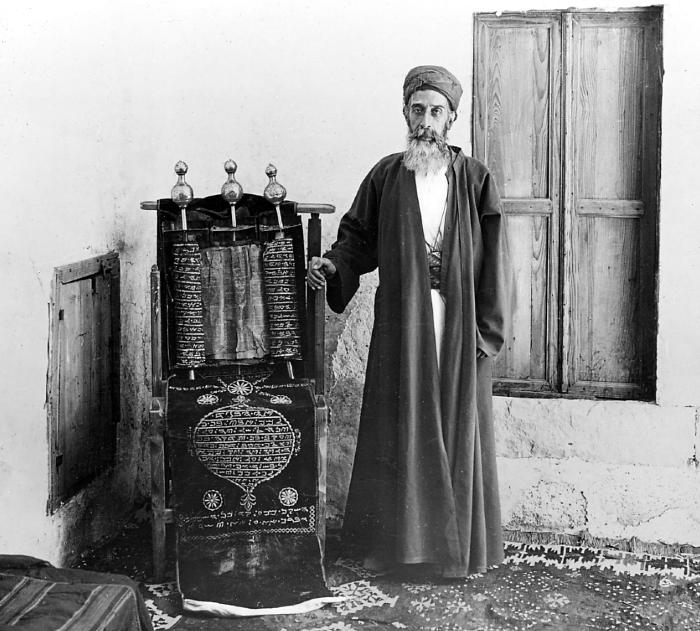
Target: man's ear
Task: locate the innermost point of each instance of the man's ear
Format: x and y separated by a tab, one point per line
405	112
453	118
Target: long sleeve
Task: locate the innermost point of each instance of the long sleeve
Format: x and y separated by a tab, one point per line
355	251
493	291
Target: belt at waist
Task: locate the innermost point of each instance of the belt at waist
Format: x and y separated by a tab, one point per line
434	268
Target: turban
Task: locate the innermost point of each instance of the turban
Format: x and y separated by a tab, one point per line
433	78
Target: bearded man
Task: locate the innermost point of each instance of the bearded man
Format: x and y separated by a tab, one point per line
424	488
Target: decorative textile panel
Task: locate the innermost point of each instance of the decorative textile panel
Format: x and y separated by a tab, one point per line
235	318
187	289
244	455
281	293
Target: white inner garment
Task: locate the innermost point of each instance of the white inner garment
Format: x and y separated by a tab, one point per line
432	199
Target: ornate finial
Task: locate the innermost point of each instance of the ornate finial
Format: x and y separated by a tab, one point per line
182	193
231	191
230	166
274	192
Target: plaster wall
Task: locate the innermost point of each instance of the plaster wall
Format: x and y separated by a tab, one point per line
100	99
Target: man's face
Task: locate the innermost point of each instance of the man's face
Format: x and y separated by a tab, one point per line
428	109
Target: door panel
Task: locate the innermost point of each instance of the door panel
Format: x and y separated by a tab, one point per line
607	292
516	133
84	373
608	67
525	355
609	162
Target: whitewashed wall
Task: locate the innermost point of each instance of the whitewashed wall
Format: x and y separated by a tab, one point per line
98	101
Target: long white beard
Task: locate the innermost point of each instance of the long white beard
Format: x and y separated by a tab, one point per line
426	152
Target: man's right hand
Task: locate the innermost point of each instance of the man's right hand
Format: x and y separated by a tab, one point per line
319	270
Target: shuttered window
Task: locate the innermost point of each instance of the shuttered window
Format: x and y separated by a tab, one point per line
567	117
83	380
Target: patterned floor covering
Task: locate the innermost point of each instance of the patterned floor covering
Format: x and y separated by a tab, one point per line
538	587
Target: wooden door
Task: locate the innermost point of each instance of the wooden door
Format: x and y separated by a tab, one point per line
84	373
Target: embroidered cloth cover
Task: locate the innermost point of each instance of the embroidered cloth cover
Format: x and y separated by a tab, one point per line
244	460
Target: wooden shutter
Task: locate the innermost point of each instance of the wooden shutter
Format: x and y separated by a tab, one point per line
84	373
567	117
517	121
612	157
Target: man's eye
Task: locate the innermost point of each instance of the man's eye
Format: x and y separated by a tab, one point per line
437	111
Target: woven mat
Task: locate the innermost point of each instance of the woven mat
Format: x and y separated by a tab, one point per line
539	587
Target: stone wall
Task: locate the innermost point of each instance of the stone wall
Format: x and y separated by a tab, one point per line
597	470
608	470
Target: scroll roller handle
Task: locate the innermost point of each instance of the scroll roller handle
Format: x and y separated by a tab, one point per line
322	209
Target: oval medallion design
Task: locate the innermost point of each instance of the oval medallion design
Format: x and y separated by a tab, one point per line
244	445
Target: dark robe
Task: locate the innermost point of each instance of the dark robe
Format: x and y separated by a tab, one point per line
424	487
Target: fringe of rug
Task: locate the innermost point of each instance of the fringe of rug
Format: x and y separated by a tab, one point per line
585	539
